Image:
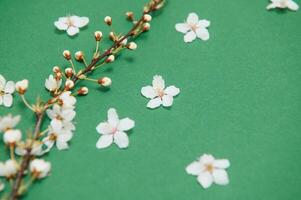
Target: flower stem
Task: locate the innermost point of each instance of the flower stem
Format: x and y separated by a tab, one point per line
26	103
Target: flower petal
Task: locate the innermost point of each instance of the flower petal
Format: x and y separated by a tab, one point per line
158	82
61	25
72	30
113	118
10	87
125	124
205	179
182	27
220	177
7	100
83	21
172	91
271	6
56	124
68	114
292	5
2	82
61	145
148	92
1	100
104	128
104	141
194	168
167	100
221	163
190	36
202	33
154	103
192	19
204	23
206	159
121	139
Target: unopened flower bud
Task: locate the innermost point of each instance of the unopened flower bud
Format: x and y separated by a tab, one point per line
56	69
39	168
69	84
132	46
105	81
98	35
108	20
83	91
110	59
12	136
112	36
79	56
67	54
58	76
21	86
69	72
147	18
130	16
146	27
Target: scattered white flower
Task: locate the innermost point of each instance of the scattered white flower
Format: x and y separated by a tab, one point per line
209	170
71	24
39	168
193	27
158	94
8	122
58	135
67	100
12	136
9	168
6	91
61	118
290	4
114	131
52	84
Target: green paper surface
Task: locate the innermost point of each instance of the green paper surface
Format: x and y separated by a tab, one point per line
240	99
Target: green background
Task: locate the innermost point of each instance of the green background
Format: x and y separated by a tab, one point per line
240	99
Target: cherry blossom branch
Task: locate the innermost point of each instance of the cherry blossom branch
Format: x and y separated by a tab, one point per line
120	43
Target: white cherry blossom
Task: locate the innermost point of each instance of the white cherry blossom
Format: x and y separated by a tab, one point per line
9	168
67	100
7	88
12	136
8	122
52	84
114	131
290	4
61	118
71	24
158	94
209	170
58	135
193	28
39	168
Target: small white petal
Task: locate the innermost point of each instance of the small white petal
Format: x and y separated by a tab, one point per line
271	6
172	91
84	21
154	103
10	87
204	23
104	141
113	118
192	19
68	114
1	100
206	159
194	168
104	128
221	163
182	27
158	82
2	82
292	5
148	92
125	124
220	177
72	31
61	145
56	124
167	100
7	100
190	36
121	139
61	25
202	33
205	179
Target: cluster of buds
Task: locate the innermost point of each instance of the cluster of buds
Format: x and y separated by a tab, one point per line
57	73
21	86
105	81
153	5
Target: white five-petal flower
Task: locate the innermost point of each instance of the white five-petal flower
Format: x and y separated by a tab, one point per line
8	122
7	88
114	131
61	118
209	170
39	168
8	169
158	94
58	135
193	28
290	4
67	100
71	24
52	84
